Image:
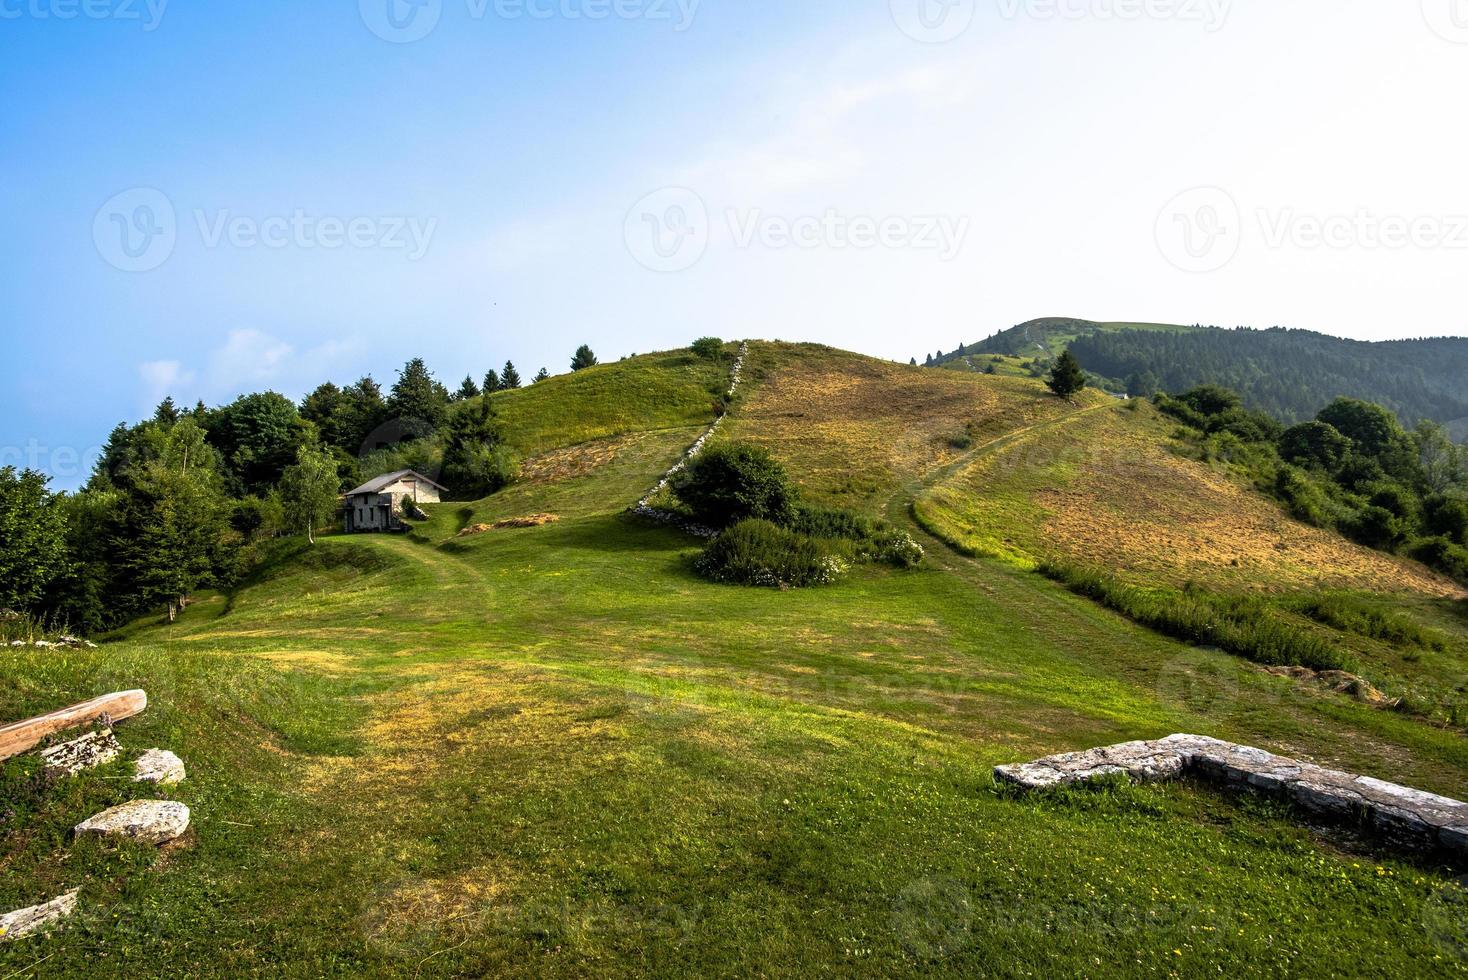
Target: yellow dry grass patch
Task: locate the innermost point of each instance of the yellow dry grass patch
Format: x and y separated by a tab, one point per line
575	461
853	429
1104	490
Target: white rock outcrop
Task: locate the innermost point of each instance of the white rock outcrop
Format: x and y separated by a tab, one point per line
1404	815
37	918
92	749
151	821
159	767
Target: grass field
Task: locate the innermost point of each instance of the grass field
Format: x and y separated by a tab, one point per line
556	751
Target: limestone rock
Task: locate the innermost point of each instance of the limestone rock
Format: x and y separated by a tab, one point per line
92	749
152	821
1399	813
26	922
159	767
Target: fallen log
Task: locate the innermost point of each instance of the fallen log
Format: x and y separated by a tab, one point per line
22	736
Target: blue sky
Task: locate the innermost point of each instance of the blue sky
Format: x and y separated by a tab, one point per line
529	175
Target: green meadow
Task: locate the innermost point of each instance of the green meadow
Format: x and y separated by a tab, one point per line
556	751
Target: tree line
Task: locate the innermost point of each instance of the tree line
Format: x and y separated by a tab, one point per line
191	499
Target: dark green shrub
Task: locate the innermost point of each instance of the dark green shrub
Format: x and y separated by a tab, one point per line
1442	554
709	348
1314	444
1446	517
759	553
1304	498
732	482
870	540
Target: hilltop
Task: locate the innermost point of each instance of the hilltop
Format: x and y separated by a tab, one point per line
1290	374
557	750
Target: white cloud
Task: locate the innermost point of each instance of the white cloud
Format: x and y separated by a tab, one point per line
163	378
249	360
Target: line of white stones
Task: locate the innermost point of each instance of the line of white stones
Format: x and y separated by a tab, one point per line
644	507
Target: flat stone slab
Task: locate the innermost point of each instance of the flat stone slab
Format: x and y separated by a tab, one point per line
37	918
151	821
158	767
92	749
1399	813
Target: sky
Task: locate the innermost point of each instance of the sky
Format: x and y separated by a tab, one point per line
204	198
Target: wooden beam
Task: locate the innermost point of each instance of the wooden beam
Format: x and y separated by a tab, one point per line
22	736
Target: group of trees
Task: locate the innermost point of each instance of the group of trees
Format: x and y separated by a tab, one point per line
1353	468
191	498
1290	374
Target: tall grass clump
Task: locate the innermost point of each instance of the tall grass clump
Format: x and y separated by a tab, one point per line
759	553
1242	625
870	540
1350	614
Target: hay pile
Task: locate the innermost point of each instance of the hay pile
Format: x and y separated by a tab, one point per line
534	520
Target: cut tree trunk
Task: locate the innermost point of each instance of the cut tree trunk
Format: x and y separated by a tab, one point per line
22	736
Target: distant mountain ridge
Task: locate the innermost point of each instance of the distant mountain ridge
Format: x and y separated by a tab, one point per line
1291	374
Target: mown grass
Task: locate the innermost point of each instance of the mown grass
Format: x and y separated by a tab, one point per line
557	751
650	392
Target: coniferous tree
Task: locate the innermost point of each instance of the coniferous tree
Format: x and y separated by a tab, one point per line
509	377
541	375
167	412
491	381
467	389
1067	377
417	395
583	359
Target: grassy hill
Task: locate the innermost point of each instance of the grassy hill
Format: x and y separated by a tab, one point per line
558	751
1048	336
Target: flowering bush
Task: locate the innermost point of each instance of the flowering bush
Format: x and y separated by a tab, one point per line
757	552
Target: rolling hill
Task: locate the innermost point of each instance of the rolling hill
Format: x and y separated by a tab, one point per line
1291	374
557	751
